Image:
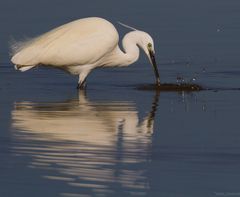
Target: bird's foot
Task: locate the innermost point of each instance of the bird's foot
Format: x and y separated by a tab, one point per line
81	86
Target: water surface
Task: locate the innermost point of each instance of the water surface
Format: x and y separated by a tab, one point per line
114	139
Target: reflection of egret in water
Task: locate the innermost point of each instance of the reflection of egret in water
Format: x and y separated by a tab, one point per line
95	146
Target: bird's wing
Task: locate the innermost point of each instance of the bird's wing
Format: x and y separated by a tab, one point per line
80	42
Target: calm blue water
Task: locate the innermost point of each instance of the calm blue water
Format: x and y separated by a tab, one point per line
115	140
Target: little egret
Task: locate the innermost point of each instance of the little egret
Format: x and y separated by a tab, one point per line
80	46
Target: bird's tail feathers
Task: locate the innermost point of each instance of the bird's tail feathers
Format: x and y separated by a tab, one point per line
16	46
23	68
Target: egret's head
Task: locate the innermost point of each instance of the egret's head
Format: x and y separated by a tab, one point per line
147	44
145	41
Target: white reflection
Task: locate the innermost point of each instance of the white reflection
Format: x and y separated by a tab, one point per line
90	145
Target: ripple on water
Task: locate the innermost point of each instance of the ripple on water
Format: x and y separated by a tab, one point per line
179	87
95	146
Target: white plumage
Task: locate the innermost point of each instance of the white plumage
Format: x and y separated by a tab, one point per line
80	46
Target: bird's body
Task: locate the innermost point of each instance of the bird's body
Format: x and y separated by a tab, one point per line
79	47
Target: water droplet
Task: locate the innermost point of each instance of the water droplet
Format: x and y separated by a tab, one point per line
180	80
204	108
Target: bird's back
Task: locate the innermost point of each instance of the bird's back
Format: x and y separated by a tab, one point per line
80	42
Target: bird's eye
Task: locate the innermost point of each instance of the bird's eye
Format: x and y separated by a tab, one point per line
149	45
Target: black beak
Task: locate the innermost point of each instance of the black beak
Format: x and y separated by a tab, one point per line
154	64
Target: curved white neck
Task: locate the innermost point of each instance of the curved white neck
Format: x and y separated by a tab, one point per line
130	53
130	47
128	56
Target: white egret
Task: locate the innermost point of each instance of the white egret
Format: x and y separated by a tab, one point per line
80	46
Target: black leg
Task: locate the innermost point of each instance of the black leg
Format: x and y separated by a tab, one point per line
82	85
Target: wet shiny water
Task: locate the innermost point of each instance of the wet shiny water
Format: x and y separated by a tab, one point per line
115	139
83	142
